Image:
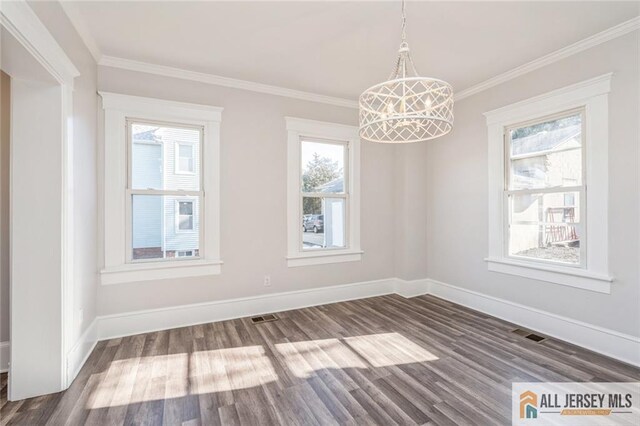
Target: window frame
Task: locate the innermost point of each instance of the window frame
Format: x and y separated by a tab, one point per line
177	168
580	189
117	108
593	273
300	130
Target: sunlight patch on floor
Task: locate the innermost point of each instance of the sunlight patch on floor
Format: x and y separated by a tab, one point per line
304	358
382	350
376	350
179	375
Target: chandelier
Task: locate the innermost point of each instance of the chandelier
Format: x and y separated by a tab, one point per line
407	107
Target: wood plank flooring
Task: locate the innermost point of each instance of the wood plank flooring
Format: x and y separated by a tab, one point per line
384	360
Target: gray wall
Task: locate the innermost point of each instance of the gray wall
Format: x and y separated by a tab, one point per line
457	193
85	108
253	209
444	181
5	103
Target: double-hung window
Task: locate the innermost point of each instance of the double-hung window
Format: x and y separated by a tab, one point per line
161	189
548	185
323	197
157	197
545	189
185	158
185	216
323	194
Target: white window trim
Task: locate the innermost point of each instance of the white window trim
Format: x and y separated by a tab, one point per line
177	170
298	128
177	218
117	109
592	95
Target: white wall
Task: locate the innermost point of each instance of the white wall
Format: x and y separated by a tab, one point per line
85	108
5	89
36	215
410	211
424	206
253	194
457	193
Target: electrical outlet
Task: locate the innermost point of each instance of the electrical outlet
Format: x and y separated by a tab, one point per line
267	281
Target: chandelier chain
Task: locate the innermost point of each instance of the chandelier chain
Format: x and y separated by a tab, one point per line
404	23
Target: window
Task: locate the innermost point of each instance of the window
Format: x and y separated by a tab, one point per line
544	162
184	216
156	179
548	184
154	191
323	198
185	158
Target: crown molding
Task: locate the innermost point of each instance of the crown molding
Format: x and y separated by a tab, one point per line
162	70
73	13
584	44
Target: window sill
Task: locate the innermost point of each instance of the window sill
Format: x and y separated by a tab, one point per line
133	272
324	257
568	276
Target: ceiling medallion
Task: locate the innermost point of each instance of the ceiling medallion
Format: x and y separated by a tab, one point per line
406	108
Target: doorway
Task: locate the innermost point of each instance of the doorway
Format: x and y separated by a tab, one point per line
40	85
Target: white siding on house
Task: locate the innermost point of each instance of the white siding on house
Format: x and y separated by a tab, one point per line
146	214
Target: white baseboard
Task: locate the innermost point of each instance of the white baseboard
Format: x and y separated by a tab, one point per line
80	352
412	288
607	342
130	323
4	357
611	343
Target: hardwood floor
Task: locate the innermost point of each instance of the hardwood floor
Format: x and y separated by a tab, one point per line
385	360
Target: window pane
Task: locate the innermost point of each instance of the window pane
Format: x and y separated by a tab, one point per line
322	167
185	158
560	207
156	229
547	154
559	242
186	151
154	156
186	207
545	226
323	223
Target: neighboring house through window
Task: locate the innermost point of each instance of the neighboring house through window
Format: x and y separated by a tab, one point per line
159	159
160	197
543	155
323	198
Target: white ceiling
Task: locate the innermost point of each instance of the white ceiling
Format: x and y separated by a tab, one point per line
340	48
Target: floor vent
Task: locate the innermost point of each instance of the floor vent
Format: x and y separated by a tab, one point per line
527	334
264	318
535	337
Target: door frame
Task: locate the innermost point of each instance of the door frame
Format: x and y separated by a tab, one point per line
21	22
